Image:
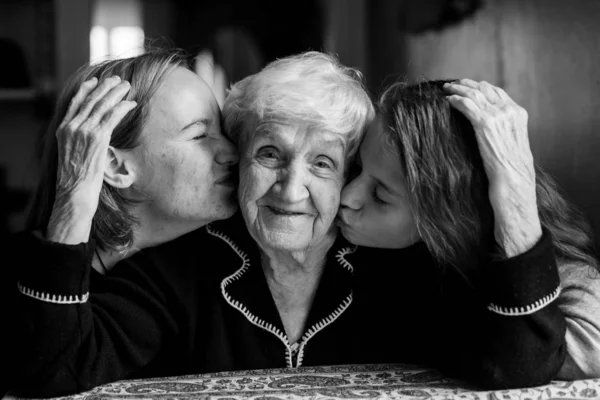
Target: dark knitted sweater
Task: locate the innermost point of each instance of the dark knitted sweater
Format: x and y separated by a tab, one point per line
201	304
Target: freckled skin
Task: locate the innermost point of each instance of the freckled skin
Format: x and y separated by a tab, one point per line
176	172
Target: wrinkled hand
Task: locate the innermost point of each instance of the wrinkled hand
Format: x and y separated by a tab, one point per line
500	127
83	139
213	75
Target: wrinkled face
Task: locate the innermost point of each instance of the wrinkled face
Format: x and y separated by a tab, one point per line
184	171
376	210
290	183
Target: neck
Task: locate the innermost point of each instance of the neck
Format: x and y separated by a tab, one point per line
292	283
153	229
293	289
149	232
105	260
293	279
289	265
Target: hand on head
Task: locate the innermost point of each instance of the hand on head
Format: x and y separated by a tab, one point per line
83	139
167	164
500	127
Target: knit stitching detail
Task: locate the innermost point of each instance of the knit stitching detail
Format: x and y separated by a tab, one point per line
53	298
342	253
239	306
313	330
320	326
526	310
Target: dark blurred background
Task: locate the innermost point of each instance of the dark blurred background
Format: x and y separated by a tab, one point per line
544	53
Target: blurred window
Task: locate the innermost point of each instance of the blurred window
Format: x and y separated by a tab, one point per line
117	30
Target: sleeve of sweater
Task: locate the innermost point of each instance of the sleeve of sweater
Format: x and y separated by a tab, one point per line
580	304
8	311
510	331
71	340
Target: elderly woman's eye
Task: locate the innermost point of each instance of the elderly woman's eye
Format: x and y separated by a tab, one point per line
267	152
200	136
325	162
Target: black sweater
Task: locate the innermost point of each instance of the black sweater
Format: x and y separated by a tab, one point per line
201	304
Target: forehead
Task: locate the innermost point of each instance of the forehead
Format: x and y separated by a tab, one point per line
181	98
298	133
379	157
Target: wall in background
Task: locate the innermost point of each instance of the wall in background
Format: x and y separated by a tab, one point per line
545	53
54	37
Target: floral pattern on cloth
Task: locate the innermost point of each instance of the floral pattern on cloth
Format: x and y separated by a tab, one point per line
392	381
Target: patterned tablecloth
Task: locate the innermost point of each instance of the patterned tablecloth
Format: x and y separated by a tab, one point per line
395	381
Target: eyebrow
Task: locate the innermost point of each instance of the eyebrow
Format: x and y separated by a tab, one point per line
335	141
197	121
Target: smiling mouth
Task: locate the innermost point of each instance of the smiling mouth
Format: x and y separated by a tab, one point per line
280	211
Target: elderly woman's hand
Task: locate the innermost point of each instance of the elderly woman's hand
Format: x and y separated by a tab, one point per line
83	138
501	129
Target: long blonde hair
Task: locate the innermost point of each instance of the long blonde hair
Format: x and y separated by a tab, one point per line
449	187
113	223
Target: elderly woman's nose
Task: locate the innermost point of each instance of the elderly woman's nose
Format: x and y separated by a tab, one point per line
292	186
353	194
227	153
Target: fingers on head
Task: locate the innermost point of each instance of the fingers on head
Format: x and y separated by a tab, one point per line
465	105
472	93
110	99
107	95
468	82
98	93
489	92
84	90
116	114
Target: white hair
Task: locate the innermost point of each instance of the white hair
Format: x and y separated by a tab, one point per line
310	87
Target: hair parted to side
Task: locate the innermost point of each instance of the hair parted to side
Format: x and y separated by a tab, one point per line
449	188
311	87
113	223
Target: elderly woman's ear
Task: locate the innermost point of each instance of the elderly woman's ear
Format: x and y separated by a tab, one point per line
119	172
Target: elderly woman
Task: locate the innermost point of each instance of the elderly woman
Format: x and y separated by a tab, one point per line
296	123
446	193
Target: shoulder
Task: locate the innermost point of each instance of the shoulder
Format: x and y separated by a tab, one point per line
205	253
577	273
579	283
415	259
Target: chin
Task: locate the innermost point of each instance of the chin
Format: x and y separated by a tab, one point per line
221	212
285	242
351	238
228	210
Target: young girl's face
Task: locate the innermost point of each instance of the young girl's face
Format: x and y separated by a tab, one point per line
376	210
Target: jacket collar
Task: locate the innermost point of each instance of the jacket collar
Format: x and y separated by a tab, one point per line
247	290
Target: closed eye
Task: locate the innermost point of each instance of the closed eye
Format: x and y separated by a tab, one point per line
377	199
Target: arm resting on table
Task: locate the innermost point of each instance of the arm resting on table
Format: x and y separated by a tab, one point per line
71	339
